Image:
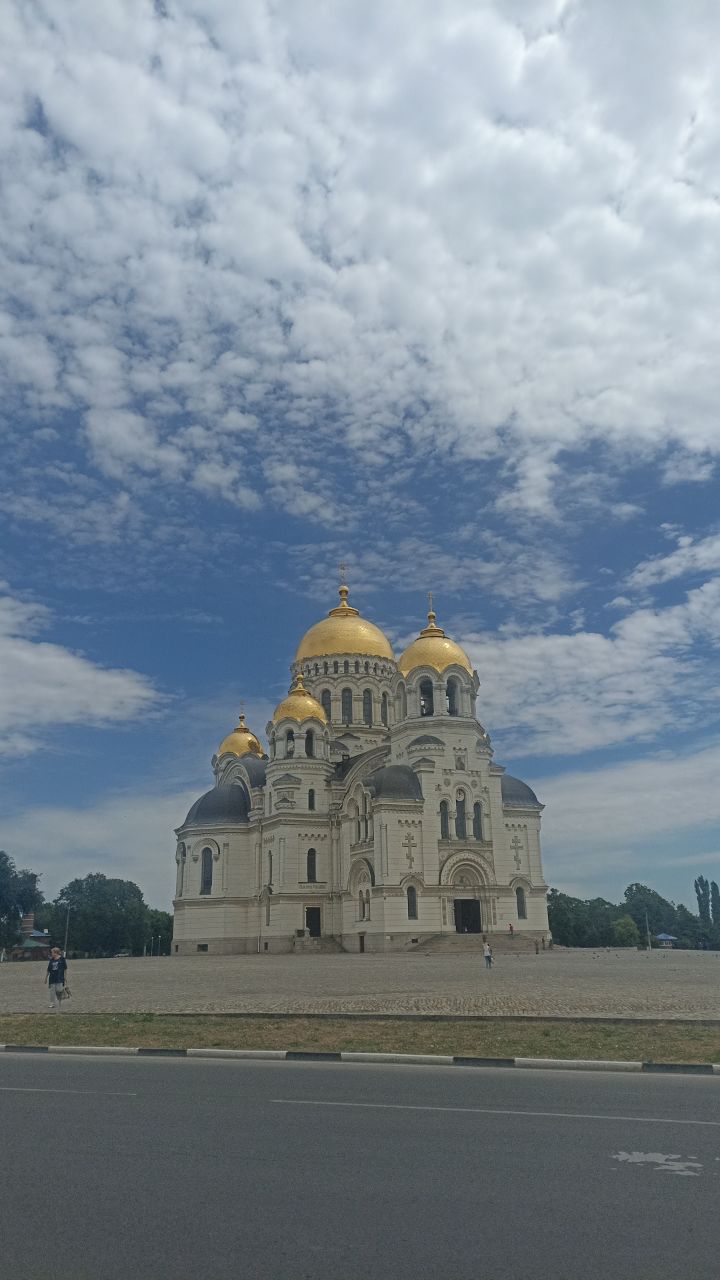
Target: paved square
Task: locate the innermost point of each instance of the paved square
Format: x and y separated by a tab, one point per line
591	983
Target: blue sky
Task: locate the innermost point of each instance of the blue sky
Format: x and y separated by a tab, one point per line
431	289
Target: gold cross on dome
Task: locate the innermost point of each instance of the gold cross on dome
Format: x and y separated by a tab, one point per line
343	573
430	600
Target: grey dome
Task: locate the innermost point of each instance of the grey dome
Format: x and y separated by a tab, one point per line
255	769
516	792
394	782
222	804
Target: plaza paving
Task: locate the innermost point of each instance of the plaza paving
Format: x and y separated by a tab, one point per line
560	983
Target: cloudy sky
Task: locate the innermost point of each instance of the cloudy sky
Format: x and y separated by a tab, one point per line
430	287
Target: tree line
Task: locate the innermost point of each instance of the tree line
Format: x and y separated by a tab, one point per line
595	922
101	916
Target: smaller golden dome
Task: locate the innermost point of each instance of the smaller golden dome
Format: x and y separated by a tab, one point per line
433	649
241	742
299	705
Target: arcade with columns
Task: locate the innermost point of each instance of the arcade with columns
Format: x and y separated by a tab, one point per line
377	819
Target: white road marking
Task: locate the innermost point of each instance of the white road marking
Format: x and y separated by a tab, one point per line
494	1111
102	1093
690	1167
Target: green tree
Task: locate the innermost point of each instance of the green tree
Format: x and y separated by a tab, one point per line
105	916
19	893
702	892
715	902
625	932
160	925
661	915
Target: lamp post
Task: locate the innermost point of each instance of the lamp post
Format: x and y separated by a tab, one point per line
67	926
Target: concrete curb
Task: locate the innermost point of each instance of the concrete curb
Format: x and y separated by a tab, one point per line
402	1059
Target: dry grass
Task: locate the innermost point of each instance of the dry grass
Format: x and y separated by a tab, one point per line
497	1038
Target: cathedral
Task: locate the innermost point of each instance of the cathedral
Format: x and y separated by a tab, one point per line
377	821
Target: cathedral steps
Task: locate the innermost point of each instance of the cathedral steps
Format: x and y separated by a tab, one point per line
502	943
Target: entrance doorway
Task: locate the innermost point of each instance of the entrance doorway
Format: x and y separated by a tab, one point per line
467	915
361	939
312	921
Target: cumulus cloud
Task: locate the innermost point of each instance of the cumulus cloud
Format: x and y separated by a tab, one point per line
479	231
692	556
45	686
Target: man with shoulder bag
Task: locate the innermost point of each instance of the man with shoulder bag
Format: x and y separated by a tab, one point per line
56	971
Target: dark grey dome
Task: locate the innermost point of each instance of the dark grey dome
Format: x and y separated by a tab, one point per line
255	769
427	740
394	782
516	792
222	804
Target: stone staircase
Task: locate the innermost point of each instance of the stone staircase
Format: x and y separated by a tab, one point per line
502	943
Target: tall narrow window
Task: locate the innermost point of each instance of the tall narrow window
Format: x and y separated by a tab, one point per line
521	905
361	906
269	879
367	904
412	903
460	818
477	822
206	869
336	668
346	667
453	699
181	870
311	798
357	667
367	668
326	701
311	876
444	820
402	702
290	744
346	706
366	819
427	700
367	707
384	709
309	743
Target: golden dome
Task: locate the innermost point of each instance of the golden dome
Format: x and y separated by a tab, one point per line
241	742
433	649
344	631
299	705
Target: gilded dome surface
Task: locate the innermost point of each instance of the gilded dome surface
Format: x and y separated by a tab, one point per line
344	631
241	742
433	649
299	705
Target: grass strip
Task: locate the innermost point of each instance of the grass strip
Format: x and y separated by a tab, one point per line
649	1041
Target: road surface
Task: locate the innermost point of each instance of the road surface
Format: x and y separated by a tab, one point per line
164	1168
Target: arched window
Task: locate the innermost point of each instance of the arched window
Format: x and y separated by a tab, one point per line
309	743
444	820
269	879
427	700
325	668
367	707
402	702
367	904
346	667
346	706
367	668
181	869
521	904
375	668
384	709
311	876
460	818
326	702
412	903
317	669
452	694
477	822
311	798
357	667
206	869
336	667
290	744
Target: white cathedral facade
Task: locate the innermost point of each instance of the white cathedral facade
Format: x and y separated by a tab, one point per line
378	820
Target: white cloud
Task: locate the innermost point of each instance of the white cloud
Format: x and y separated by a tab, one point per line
558	694
487	231
700	555
128	836
45	685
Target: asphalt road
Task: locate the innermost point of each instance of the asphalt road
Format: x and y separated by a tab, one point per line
160	1168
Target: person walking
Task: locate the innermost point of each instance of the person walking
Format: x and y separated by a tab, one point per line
487	952
56	971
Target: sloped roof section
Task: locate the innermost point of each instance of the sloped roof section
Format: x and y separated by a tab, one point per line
394	782
516	792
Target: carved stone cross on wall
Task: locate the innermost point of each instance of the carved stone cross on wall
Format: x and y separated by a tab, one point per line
409	844
517	845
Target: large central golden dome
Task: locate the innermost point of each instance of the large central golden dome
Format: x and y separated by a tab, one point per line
433	649
344	631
